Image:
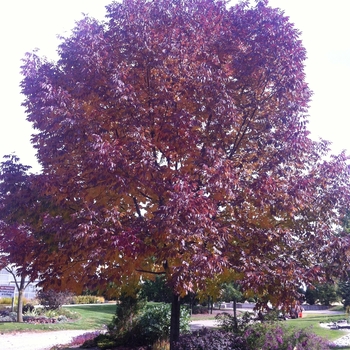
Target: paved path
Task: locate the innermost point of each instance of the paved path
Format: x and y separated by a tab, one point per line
203	323
36	340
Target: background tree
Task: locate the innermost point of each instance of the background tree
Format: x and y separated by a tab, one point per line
19	249
18	246
311	295
344	293
175	135
343	290
323	293
231	292
156	290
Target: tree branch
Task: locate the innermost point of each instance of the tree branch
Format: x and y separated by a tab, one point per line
151	272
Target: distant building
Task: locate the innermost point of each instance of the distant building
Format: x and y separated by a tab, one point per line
6	279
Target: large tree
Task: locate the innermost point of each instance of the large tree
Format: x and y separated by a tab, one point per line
175	136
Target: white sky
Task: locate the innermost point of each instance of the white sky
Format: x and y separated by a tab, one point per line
29	24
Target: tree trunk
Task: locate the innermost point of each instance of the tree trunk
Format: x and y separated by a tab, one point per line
175	321
21	286
191	303
235	314
20	305
13	304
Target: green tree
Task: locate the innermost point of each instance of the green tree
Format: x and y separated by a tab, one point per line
174	138
311	295
232	292
156	290
323	293
344	293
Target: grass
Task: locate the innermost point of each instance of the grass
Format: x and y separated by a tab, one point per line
91	317
313	321
337	308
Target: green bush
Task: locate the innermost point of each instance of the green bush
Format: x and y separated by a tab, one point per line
125	319
138	325
154	322
199	309
228	323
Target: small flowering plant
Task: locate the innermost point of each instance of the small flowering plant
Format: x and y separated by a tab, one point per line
84	338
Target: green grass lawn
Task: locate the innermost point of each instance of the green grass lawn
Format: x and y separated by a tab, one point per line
313	321
91	317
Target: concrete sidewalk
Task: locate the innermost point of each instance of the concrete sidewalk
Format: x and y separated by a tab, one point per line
37	340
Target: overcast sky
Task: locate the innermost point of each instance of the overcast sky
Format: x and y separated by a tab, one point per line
29	24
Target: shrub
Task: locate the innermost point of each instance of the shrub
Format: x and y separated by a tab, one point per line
268	335
52	300
120	330
8	301
72	315
276	336
87	299
199	309
125	316
205	339
139	325
28	308
228	323
154	322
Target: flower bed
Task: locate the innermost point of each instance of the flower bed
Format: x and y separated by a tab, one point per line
7	316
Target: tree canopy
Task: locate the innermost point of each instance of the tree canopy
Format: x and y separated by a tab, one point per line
174	137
